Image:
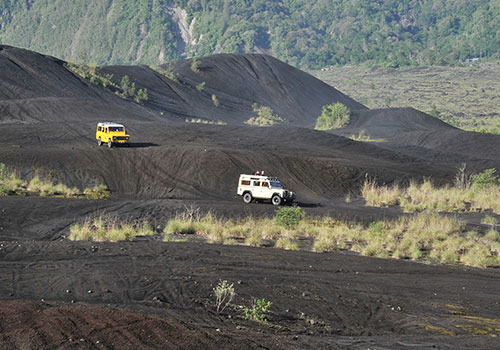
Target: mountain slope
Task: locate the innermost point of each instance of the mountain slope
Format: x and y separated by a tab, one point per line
305	33
36	87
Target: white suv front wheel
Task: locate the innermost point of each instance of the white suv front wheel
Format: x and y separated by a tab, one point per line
276	200
247	198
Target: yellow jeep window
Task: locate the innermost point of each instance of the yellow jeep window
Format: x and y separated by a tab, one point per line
106	130
99	129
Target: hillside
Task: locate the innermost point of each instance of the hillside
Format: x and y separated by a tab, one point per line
308	34
465	97
158	288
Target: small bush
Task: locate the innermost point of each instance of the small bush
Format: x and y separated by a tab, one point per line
195	65
200	86
265	117
258	310
333	116
224	294
215	101
165	72
289	217
484	179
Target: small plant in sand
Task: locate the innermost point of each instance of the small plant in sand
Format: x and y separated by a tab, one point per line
224	294
215	100
265	117
195	65
364	137
167	72
333	116
257	312
200	86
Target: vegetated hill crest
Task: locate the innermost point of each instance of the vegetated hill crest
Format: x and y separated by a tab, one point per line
223	88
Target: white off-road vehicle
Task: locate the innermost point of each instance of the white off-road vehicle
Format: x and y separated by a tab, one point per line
261	187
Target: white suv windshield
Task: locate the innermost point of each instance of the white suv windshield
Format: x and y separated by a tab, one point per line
275	184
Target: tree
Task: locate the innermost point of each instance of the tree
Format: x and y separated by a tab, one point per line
333	116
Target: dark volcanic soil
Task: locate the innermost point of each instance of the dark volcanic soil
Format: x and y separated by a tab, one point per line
148	294
319	300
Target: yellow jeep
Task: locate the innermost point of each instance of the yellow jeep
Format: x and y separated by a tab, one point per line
111	133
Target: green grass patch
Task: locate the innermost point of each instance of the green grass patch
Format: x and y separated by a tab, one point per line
108	229
12	184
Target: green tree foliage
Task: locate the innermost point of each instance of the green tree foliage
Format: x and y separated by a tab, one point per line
310	34
333	116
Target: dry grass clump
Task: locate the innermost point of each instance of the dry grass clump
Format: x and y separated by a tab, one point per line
205	121
426	236
427	197
11	184
108	229
380	196
362	136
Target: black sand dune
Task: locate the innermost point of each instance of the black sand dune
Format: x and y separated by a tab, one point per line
422	136
238	81
148	294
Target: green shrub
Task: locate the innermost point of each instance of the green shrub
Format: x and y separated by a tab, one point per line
215	101
195	64
265	117
258	310
333	116
484	179
289	217
200	86
165	72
